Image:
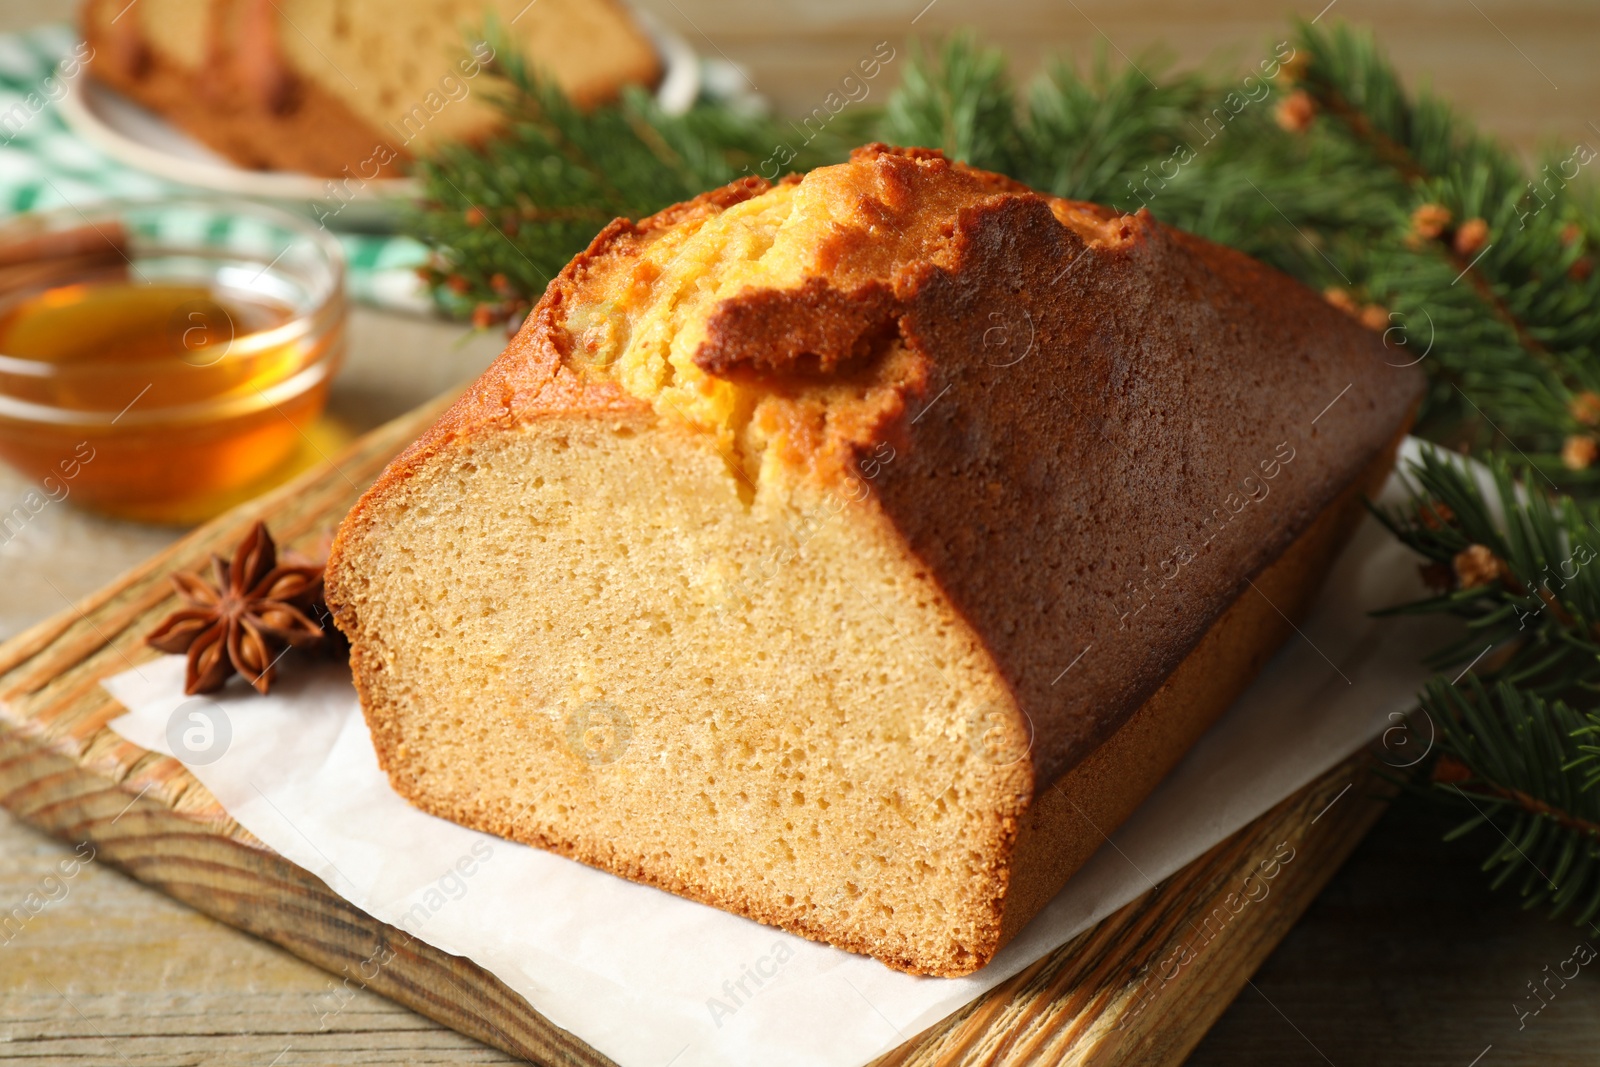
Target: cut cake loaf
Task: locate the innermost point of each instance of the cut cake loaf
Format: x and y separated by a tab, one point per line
352	89
853	554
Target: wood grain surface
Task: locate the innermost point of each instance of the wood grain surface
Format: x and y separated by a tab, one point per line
1181	951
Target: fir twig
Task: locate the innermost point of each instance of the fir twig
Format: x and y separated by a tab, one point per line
958	99
1524	345
1516	564
1505	759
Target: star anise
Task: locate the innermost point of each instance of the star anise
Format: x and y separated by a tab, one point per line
243	619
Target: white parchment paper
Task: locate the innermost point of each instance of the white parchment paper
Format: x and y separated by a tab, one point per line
652	980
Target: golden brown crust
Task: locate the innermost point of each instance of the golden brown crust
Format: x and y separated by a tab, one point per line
814	331
1084	512
1067	823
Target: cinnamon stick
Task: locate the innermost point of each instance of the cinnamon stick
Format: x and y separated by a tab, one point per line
101	241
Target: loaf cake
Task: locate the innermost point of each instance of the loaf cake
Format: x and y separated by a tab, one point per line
855	553
353	89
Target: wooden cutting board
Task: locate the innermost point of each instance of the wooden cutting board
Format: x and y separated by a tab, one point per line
1141	987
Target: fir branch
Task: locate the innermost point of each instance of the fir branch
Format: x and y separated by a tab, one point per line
504	219
1308	205
1515	563
1087	136
1112	136
1348	78
1452	772
1506	753
959	100
1516	567
1528	338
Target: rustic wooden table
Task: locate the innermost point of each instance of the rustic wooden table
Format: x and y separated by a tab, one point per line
1405	958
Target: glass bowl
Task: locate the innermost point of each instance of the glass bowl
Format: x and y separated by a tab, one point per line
164	359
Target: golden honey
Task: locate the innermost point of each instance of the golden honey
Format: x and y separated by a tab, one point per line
159	400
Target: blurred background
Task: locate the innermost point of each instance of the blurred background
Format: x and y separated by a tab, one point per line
1406	958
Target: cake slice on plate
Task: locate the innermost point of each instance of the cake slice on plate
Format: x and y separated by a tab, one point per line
353	89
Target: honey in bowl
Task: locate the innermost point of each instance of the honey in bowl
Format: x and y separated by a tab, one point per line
172	383
145	339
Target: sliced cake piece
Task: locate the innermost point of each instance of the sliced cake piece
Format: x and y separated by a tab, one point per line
854	553
355	89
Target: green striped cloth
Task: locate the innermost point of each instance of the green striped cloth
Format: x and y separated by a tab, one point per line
43	164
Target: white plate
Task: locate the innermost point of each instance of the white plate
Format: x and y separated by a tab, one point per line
135	136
